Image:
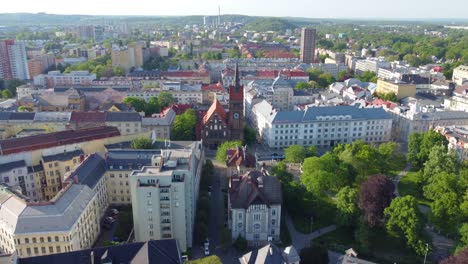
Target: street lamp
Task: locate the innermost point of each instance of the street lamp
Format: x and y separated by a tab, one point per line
425	255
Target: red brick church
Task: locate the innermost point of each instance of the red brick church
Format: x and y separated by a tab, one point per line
217	125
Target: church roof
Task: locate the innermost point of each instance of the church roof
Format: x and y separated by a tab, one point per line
217	108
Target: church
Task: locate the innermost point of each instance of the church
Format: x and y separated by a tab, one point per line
217	125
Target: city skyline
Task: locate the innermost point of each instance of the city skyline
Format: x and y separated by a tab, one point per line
361	9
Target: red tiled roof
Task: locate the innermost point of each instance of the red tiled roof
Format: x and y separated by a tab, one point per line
216	107
16	145
279	54
235	157
380	102
180	108
88	117
213	87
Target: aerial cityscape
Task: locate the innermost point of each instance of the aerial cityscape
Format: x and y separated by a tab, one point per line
241	132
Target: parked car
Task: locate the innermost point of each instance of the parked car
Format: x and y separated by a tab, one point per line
276	156
207	251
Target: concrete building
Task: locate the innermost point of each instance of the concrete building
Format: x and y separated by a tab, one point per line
333	68
308	36
254	207
164	195
55	78
460	74
40	63
133	55
399	88
372	65
13	60
320	126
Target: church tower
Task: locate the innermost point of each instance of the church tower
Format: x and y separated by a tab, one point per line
236	109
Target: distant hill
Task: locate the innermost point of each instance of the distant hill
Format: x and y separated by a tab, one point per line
263	24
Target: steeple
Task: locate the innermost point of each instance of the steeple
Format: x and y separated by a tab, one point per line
236	84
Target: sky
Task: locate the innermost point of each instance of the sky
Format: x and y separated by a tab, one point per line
294	8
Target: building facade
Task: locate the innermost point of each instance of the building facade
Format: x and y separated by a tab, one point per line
254	207
13	60
308	36
460	74
321	126
399	88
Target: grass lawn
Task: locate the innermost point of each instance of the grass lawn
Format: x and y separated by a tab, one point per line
408	186
386	249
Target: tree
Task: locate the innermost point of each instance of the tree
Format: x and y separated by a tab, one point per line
325	79
314	254
390	157
250	136
184	126
295	154
12	84
439	160
347	205
221	155
137	103
420	144
165	99
440	184
403	220
325	173
7	94
240	243
463	232
142	143
280	171
375	195
25	109
342	76
445	211
368	76
213	259
460	258
226	239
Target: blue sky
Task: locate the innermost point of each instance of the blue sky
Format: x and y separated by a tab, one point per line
296	8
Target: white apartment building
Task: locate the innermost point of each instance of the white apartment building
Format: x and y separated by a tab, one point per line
181	96
460	74
164	196
254	206
321	126
15	174
333	68
372	65
18	61
55	78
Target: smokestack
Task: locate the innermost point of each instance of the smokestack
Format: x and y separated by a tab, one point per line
219	16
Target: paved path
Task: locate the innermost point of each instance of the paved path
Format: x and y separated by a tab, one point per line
400	175
300	240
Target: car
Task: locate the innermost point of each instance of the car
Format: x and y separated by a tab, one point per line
109	219
207	251
207	243
185	258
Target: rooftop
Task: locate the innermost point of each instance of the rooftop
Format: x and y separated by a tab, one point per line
63	156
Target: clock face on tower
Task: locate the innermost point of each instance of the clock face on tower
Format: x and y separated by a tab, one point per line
236	115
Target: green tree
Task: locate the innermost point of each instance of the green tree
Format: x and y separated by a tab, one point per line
142	143
240	243
463	232
226	239
341	76
445	212
213	259
439	184
403	220
250	136
325	79
165	99
184	126
137	103
280	171
295	154
314	73
7	94
368	76
347	205
439	160
221	152
12	84
25	109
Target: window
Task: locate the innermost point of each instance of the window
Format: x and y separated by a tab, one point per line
58	249
256	236
6	179
26	240
257	227
51	249
34	240
257	217
273	222
240	216
36	250
56	239
49	239
28	251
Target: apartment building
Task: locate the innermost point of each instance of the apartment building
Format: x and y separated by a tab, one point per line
320	126
399	88
126	122
13	60
56	78
181	96
308	37
15	174
40	63
460	74
372	65
164	195
254	207
133	55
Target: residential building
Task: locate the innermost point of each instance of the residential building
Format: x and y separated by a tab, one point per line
15	174
459	100
56	78
239	161
13	60
254	207
333	68
131	56
71	100
270	253
161	124
40	63
372	65
150	252
399	88
457	137
320	126
164	195
460	74
126	122
308	36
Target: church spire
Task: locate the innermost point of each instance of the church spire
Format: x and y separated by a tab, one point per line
236	84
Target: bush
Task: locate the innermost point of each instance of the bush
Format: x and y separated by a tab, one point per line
240	243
